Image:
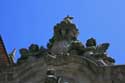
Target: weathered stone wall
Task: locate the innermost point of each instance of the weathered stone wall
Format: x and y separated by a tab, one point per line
73	69
6	73
113	74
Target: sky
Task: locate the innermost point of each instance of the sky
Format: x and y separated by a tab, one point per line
23	22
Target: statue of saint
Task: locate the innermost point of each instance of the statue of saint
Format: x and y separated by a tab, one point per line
90	47
64	33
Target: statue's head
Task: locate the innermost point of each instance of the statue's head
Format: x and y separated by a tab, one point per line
24	52
91	42
33	48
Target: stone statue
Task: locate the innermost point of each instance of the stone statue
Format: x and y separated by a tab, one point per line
24	53
90	47
101	50
91	42
65	30
64	33
102	47
76	48
101	55
96	53
33	48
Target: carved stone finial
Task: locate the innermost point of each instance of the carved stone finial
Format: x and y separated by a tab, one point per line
12	55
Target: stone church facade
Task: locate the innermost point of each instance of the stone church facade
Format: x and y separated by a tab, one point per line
65	60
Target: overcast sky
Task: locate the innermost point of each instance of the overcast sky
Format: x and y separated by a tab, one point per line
23	22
